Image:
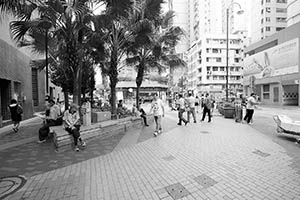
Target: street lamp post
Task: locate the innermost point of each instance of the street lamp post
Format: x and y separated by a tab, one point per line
227	40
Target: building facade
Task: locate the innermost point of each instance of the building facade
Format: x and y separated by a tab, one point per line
293	12
207	65
18	80
271	68
267	18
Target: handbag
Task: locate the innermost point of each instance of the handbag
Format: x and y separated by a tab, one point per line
19	110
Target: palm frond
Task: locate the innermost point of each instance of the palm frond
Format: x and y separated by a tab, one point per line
19	29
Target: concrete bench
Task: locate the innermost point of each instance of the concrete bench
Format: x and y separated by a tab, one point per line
64	141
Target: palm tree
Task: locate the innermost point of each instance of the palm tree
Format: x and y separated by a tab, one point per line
110	39
153	46
67	21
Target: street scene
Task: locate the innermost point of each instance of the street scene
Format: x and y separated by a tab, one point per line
149	99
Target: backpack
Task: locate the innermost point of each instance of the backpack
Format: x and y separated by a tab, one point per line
19	110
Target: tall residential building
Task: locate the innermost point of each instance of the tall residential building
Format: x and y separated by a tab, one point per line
180	19
267	18
293	12
204	17
207	64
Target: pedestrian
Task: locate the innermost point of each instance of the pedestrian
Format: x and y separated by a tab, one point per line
250	108
140	113
158	110
72	125
53	118
120	104
212	106
181	110
191	107
16	114
207	107
197	104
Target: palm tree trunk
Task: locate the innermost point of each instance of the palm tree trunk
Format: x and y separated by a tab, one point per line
138	96
113	97
66	97
139	80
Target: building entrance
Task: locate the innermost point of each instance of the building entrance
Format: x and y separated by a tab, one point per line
5	86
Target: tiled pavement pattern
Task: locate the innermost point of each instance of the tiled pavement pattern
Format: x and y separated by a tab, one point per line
30	158
225	155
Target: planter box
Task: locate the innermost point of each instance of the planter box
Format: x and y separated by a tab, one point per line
229	112
100	116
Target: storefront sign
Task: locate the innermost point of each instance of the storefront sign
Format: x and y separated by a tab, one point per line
279	60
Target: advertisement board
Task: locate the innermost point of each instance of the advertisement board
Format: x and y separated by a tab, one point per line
279	60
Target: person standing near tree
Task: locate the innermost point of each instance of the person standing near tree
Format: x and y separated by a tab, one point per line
158	110
16	114
206	107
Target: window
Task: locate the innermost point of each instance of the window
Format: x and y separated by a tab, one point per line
262	21
268	9
207	59
222	69
215	69
281	19
231	69
266	91
281	1
35	88
215	77
207	77
222	77
218	59
281	10
279	28
268	19
236	60
215	50
268	1
268	28
207	50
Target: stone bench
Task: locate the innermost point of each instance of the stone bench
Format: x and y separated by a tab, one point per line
64	141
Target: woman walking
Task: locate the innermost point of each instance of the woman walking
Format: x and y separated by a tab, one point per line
16	114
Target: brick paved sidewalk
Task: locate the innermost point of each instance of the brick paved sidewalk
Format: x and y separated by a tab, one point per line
218	160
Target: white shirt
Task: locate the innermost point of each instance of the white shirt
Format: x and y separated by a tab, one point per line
157	107
191	100
181	103
71	119
251	103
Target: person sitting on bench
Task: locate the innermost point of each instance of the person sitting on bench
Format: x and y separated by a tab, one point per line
53	118
72	125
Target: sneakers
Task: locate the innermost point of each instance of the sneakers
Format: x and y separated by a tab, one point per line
83	144
160	131
147	125
179	124
15	129
155	134
41	141
76	149
185	123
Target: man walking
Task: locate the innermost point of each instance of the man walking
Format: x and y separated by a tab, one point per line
158	110
207	107
181	110
250	108
191	104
